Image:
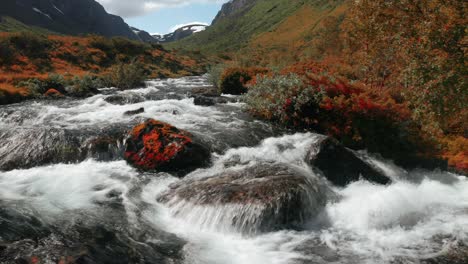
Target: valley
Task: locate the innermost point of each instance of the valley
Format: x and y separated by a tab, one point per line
284	132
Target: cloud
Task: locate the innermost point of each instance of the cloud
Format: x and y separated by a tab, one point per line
134	8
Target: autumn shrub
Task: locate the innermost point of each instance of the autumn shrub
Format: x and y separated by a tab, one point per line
357	115
126	76
235	80
416	45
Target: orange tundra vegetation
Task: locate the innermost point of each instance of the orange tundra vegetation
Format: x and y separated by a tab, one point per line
374	73
316	96
25	56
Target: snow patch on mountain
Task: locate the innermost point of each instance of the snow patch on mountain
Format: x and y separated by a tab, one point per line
42	13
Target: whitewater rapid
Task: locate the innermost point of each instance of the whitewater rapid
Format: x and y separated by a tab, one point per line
418	216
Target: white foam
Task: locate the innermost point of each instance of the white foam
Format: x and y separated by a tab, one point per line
290	149
56	188
402	219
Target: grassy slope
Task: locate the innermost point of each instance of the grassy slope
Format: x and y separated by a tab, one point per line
279	26
8	24
234	32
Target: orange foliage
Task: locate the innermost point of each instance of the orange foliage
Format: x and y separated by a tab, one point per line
76	56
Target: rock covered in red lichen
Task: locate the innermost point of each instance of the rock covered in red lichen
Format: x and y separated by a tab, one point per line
158	146
53	93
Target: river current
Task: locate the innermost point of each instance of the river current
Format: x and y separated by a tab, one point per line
47	202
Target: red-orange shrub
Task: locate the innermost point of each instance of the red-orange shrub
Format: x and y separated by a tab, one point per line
306	97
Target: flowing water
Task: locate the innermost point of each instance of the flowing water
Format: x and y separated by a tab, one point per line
57	193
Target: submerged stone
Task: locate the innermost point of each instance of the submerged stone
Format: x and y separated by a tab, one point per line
261	198
340	165
135	112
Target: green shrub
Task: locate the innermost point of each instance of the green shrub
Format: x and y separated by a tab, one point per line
85	86
7	53
126	76
214	74
39	87
35	86
31	45
129	47
355	114
102	43
269	96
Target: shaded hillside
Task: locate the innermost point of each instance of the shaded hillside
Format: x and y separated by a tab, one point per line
264	25
71	17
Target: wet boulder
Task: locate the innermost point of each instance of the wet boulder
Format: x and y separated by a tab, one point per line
340	165
204	101
123	99
30	239
30	147
135	112
158	146
261	198
207	91
104	147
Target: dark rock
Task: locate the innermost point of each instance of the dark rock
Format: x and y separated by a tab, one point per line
120	99
157	146
208	91
135	112
32	147
273	196
35	146
340	165
419	162
204	101
455	255
85	240
11	98
74	92
105	148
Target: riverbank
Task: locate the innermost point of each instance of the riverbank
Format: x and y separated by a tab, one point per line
28	56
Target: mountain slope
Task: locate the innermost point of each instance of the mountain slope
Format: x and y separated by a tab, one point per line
264	25
72	17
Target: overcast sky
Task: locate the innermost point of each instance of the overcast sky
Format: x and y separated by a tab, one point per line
160	16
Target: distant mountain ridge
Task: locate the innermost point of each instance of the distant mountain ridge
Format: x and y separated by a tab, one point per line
180	33
71	17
